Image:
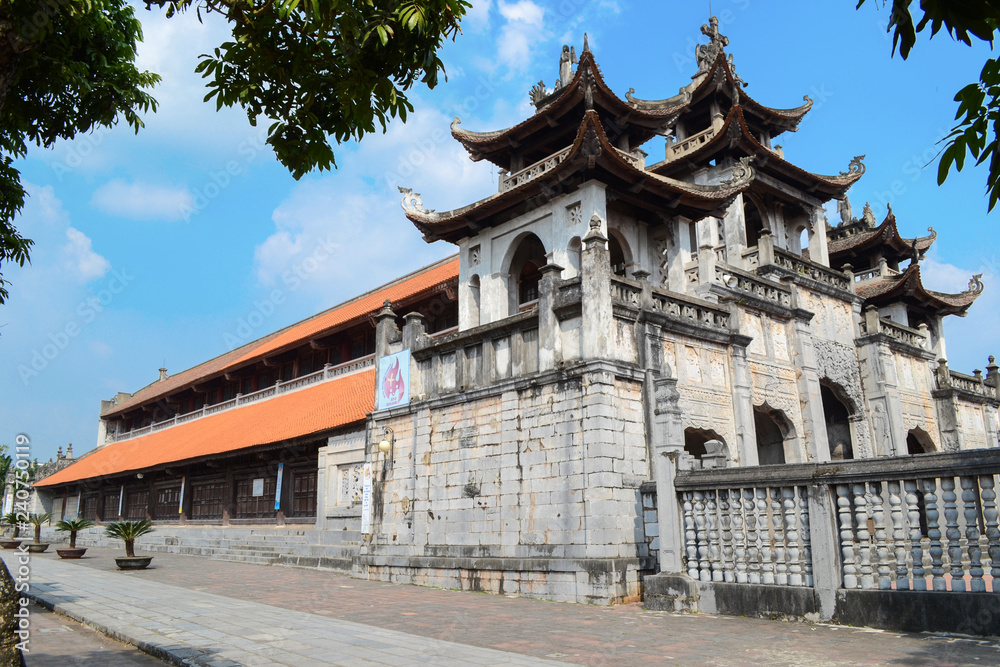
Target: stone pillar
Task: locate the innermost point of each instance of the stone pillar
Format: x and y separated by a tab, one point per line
746	433
386	331
947	409
595	269
814	438
414	326
668	445
549	340
765	247
818	249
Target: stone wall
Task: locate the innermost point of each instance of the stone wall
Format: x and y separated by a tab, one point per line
533	484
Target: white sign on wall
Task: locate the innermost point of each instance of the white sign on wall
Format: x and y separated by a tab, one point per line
366	501
258	487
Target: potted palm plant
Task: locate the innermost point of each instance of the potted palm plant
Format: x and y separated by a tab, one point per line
10	518
128	531
37	520
73	526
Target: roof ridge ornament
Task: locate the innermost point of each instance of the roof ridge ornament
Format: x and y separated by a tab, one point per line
412	202
742	174
538	93
567	58
868	215
706	54
844	209
976	286
857	166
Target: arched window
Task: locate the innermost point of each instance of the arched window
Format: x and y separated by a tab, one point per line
574	251
525	272
695	439
771	428
474	303
617	256
838	425
804	242
753	220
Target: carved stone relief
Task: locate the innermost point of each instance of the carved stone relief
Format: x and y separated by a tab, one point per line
839	363
779	339
693	364
717	366
575	214
351	482
669	355
752	327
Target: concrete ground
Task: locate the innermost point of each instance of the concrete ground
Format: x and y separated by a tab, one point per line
223	613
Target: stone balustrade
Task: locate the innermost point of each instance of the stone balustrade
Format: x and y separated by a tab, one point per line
533	171
971	384
915	523
899	332
802	266
678	149
694	311
749	284
328	372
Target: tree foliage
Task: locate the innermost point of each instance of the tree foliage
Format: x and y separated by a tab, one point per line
978	130
66	67
318	71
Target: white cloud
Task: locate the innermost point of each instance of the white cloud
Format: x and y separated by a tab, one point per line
478	16
142	201
523	30
971	339
81	258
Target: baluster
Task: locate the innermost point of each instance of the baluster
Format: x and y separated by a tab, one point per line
970	505
726	518
898	535
989	496
916	536
863	537
934	534
753	546
847	544
739	536
881	542
778	530
764	538
791	536
714	544
704	568
807	562
690	536
954	535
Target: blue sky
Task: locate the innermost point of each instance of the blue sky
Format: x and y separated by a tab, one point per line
173	246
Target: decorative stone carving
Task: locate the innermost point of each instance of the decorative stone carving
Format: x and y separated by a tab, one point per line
566	61
844	209
868	216
575	214
538	93
591	146
856	166
707	53
475	253
412	202
351	482
839	363
975	285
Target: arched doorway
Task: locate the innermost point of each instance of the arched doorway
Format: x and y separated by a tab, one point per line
919	442
753	221
838	425
525	273
771	429
617	255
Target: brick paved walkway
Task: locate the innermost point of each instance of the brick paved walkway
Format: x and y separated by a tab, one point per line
581	634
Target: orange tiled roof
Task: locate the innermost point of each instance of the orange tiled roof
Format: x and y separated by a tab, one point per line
359	307
321	407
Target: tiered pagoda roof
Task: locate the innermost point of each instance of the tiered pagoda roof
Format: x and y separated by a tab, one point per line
736	137
590	155
860	238
908	288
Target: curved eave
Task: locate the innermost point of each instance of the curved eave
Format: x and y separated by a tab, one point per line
768	161
494	146
784	120
909	287
886	234
691	200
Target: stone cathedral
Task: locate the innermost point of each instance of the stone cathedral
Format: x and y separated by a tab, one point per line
606	321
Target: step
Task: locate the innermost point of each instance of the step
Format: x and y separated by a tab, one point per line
253	560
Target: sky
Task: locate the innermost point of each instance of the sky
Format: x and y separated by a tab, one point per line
175	245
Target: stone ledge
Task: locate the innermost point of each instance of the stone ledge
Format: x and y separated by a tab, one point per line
589	565
920	611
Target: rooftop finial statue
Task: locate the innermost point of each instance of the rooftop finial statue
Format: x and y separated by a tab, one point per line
707	53
566	61
844	208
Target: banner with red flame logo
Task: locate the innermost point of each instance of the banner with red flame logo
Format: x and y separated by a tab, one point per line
394	380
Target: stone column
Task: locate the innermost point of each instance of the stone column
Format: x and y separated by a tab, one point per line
947	409
595	269
668	444
549	340
818	250
817	445
386	331
746	433
414	326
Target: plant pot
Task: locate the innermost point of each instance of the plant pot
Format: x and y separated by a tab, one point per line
37	547
137	563
71	554
10	544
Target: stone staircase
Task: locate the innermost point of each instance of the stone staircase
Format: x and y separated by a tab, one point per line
299	546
